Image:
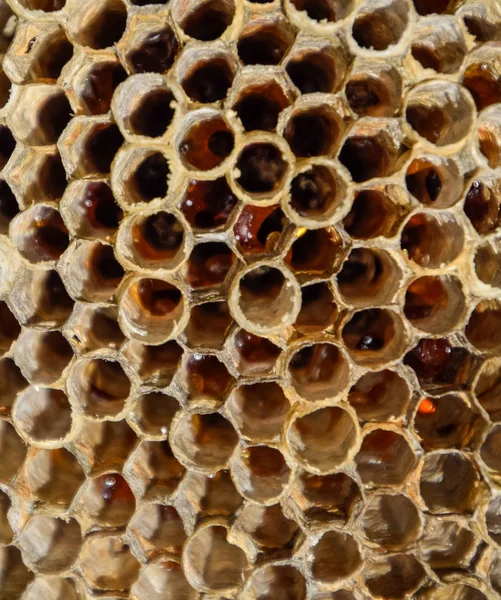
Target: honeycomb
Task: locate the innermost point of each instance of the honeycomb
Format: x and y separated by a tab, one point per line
250	306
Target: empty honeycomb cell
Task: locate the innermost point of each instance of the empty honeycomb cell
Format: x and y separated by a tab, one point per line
323	439
98	388
374	149
482	205
108	500
334	556
49	544
204	21
482	77
267	525
209	324
492	519
393	577
253	355
98	25
164	580
151	46
153	470
6	533
154	364
259	104
260	230
385	457
9	328
152	310
11	383
158	529
391	521
209	265
318	309
203	441
52	588
324	11
53	476
446	544
315	253
368	276
265	298
439	45
318	370
207	381
93	327
261	169
211	495
441	113
107	564
153	413
103	446
141	177
260	473
449	483
144	106
487	386
374	336
265	41
40	234
14	575
484	326
487	262
43	415
317	67
380	396
206	140
271	580
432	240
434	181
13	449
7	145
42	356
206	78
8	206
316	194
374	89
379	25
208	205
326	498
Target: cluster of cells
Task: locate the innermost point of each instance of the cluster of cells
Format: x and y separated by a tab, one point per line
250	310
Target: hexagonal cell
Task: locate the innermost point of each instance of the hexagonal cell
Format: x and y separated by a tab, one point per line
11	383
379	25
252	354
492	519
267	526
441	114
207	76
91	210
9	328
319	310
42	356
9	207
487	388
154	471
374	150
482	204
49	544
153	413
7	145
52	588
487	263
439	44
107	564
212	563
206	21
446	544
108	500
449	483
385	458
258	410
211	495
98	24
53	476
271	580
40	298
490	451
104	446
93	327
13	450
158	529
150	45
374	89
152	310
435	181
334	556
318	370
260	473
374	336
154	364
259	104
265	41
260	230
162	581
207	381
481	20
208	205
43	414
206	141
209	264
482	77
40	115
203	442
326	498
6	533
483	328
98	388
316	193
380	396
40	234
261	169
14	575
208	325
391	521
315	253
393	577
323	439
489	129
369	277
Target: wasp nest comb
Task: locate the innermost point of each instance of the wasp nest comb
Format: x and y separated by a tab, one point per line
250	306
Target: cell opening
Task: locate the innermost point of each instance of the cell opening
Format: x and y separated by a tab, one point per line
262	168
100	83
488	263
101	147
108	500
380	396
103	26
259	229
97	213
7	145
209	264
330	497
150	179
254	355
259	106
157	240
318	309
43	414
435	183
209	80
335	556
42	355
313	72
206	144
484	326
208	325
264	44
312	132
155	364
208	205
316	193
153	413
159	529
208	21
9	328
40	234
374	212
378	28
153	113
207	381
482	206
369	156
155	52
315	252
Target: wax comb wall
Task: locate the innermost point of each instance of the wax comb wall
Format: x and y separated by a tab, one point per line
250	306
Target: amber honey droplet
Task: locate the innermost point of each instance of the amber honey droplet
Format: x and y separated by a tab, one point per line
208	205
427	407
264	461
259	229
159	237
113	488
483	83
157	297
99	209
156	53
209	264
